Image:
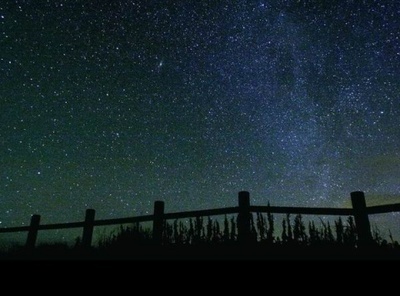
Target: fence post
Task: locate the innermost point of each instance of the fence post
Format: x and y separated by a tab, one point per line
243	219
158	222
361	218
33	231
88	228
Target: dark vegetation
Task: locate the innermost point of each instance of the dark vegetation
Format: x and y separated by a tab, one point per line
206	238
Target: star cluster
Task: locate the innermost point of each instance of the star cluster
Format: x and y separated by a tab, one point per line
115	104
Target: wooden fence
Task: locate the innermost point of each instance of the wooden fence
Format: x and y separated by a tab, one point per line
244	211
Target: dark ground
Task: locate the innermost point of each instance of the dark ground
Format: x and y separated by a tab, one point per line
205	252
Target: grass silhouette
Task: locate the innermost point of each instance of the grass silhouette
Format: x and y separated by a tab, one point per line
206	238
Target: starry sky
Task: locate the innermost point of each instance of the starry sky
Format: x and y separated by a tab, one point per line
112	105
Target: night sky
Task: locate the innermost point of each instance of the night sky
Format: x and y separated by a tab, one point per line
112	105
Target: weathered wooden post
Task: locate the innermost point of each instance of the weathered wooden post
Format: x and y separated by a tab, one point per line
158	222
243	220
361	218
33	231
88	228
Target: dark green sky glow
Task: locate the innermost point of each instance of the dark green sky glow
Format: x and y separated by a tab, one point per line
114	104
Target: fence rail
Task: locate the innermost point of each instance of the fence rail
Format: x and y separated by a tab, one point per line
359	210
384	209
302	210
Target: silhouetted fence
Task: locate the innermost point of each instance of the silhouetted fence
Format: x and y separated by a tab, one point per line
359	210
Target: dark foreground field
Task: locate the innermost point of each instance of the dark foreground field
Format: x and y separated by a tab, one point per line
257	251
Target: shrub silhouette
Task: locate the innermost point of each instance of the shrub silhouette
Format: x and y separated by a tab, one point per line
294	233
199	237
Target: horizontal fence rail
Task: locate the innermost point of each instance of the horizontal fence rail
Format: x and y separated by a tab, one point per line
14	229
138	219
302	210
359	210
384	209
211	212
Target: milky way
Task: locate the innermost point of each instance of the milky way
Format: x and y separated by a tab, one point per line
112	105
